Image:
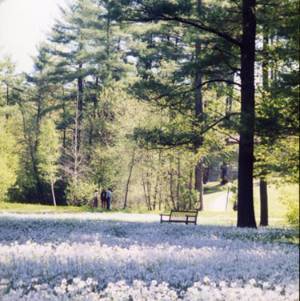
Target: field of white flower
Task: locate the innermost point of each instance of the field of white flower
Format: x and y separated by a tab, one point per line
93	257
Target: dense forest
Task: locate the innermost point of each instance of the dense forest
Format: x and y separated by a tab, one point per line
150	98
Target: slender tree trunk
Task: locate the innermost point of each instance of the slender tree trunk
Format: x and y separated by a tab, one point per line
171	183
160	195
246	216
178	183
190	188
157	183
64	116
7	100
145	191
76	142
53	192
263	202
199	182
148	186
80	107
155	192
94	114
131	166
263	185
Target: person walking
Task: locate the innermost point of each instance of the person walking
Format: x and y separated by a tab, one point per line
96	198
103	199
224	171
108	198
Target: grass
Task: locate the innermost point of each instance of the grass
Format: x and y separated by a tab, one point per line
277	207
38	208
12	207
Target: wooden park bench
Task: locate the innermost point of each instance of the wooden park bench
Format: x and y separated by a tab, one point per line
180	216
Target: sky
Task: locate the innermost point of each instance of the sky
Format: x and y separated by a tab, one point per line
23	25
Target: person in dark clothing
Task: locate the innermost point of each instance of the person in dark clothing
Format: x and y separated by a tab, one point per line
103	199
205	175
96	198
108	198
224	171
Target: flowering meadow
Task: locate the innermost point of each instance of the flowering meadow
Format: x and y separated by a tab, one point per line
131	257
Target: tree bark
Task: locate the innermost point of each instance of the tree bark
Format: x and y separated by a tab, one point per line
178	182
80	107
190	188
199	182
199	115
53	193
131	166
246	217
263	188
263	185
171	182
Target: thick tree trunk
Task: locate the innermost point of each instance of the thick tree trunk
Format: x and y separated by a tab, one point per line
53	193
246	216
263	188
263	185
131	165
199	116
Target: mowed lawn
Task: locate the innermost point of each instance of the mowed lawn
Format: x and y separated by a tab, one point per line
213	192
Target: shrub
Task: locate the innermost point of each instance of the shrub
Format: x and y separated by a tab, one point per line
293	213
289	197
80	193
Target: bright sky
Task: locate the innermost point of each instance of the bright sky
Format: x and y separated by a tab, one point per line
23	25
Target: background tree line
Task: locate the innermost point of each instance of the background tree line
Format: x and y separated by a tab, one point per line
146	96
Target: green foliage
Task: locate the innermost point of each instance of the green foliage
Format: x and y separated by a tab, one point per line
289	196
293	213
9	159
80	193
48	150
123	97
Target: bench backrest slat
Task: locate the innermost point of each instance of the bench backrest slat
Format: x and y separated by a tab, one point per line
184	213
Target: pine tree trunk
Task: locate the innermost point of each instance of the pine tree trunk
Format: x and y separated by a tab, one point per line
131	165
171	182
75	142
199	183
80	107
53	193
263	185
263	188
178	182
160	195
190	188
246	217
199	115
